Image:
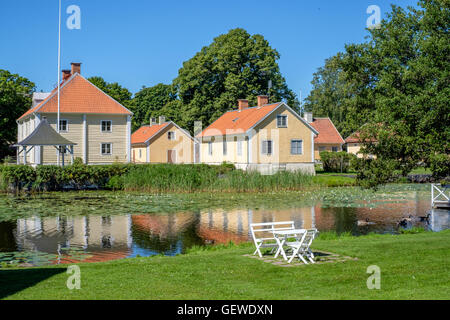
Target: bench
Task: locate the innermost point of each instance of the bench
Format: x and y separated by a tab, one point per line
262	234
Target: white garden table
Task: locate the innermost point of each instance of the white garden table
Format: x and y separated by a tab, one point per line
282	236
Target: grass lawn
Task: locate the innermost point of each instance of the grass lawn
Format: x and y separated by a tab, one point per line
413	266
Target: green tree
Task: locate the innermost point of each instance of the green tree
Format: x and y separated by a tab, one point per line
15	99
151	102
114	90
398	85
234	66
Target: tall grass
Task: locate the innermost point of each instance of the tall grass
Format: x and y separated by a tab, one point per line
192	178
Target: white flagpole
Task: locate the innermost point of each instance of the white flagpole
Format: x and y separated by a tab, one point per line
59	76
59	61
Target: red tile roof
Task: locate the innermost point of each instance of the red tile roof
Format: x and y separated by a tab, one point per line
146	132
328	133
235	122
78	95
355	137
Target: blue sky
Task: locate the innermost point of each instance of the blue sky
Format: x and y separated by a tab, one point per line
139	42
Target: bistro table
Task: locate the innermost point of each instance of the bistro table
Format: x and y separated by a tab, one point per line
282	236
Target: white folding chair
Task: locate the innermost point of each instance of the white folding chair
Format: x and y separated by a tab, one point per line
262	234
301	248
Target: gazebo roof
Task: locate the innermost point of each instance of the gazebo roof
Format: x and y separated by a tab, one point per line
45	135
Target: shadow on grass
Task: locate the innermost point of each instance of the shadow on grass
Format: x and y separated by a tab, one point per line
13	281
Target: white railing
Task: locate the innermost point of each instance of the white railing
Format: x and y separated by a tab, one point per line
441	197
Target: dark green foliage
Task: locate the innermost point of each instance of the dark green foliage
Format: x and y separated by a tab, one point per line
336	161
398	83
114	90
236	65
151	102
15	99
373	172
440	166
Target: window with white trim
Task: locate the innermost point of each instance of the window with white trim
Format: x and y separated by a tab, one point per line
106	149
171	135
63	125
281	121
210	149
106	126
239	148
296	147
334	149
266	148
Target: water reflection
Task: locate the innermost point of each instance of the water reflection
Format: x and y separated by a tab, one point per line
100	238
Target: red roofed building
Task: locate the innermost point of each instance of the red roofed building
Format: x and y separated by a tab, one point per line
267	138
99	125
328	139
163	142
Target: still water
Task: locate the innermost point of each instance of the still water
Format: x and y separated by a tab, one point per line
41	240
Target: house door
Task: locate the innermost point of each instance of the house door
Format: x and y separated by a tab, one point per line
171	156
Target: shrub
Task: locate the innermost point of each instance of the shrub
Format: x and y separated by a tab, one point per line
336	161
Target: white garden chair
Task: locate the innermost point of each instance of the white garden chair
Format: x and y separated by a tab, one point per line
301	247
263	237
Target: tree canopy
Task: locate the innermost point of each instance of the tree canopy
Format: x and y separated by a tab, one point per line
15	99
397	83
151	102
114	90
234	66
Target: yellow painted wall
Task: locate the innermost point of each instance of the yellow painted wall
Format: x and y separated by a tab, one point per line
281	137
160	144
183	145
217	150
326	147
118	138
139	154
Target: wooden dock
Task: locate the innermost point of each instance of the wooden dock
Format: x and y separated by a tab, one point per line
440	196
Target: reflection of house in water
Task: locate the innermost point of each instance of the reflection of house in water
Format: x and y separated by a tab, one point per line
219	226
168	234
104	237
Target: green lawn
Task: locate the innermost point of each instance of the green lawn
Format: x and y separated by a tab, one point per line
413	266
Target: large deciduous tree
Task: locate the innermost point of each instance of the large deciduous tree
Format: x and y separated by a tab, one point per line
153	102
15	99
234	66
114	90
398	84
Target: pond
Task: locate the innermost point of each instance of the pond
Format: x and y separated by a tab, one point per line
100	226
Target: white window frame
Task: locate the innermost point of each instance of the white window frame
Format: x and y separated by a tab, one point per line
210	148
337	149
285	116
239	148
101	149
101	126
174	135
67	125
271	148
301	142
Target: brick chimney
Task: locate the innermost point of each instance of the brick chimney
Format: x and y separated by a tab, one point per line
242	104
76	67
65	74
263	100
162	119
152	121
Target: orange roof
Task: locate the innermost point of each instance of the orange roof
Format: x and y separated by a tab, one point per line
235	122
327	131
143	134
78	95
355	137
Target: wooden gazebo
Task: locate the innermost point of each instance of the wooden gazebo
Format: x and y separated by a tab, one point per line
44	135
